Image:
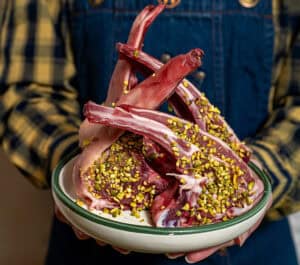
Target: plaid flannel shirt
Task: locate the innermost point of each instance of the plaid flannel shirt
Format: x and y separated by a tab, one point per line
40	115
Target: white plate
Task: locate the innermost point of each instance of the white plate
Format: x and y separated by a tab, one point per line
128	232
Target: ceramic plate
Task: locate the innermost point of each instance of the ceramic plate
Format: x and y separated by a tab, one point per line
128	232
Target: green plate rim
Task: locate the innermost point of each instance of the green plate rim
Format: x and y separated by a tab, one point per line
157	230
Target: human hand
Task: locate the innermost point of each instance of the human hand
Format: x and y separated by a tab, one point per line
191	257
199	255
82	236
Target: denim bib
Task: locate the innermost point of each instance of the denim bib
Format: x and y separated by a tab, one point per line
235	76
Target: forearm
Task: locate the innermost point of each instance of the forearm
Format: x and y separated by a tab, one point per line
277	147
36	131
39	112
277	144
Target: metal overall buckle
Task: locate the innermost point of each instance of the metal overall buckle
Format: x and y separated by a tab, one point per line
169	3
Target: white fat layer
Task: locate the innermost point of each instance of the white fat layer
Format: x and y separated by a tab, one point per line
190	182
235	211
192	186
97	204
162	216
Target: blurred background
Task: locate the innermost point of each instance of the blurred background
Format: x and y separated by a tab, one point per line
25	218
26	214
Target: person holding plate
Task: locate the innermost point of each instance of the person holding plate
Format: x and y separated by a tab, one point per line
55	55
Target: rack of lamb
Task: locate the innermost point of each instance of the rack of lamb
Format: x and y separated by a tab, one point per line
186	169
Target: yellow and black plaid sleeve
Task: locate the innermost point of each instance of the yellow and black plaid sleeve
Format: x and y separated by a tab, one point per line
39	113
277	145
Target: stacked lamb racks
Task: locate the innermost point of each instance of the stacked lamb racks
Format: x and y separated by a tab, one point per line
189	169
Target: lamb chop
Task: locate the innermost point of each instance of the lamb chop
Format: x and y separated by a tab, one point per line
94	138
148	94
213	182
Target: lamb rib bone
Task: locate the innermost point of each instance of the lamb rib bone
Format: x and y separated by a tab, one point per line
123	77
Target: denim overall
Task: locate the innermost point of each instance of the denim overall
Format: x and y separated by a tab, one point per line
236	77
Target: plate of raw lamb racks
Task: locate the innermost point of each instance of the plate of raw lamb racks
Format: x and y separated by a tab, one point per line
154	182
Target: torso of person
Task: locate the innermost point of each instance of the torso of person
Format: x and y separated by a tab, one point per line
237	39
